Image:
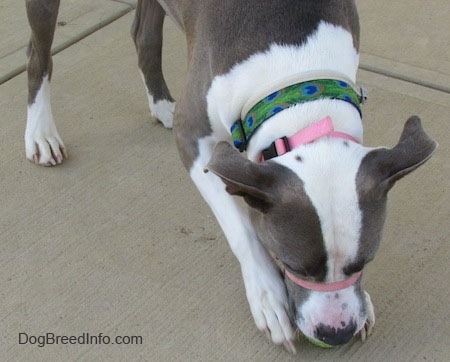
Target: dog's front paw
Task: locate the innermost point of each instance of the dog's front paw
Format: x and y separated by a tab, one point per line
370	322
267	297
42	142
43	145
45	150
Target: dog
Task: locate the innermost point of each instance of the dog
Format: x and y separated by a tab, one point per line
276	80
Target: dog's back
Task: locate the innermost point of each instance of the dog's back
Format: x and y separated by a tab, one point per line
243	28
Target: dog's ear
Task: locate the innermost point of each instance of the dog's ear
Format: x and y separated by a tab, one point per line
254	182
386	166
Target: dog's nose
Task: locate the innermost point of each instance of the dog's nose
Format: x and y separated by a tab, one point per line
335	336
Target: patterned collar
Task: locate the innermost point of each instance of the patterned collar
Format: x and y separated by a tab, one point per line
243	130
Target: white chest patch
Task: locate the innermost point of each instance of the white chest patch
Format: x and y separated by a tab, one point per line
329	48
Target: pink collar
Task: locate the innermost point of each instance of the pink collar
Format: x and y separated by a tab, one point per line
322	128
324	287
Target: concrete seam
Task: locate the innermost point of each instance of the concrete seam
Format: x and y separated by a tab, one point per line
406	78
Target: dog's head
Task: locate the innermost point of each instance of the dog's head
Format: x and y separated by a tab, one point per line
320	209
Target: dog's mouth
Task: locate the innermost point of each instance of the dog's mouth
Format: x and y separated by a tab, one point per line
328	314
335	337
331	334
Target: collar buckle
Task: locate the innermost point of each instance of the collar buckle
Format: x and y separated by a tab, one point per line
274	149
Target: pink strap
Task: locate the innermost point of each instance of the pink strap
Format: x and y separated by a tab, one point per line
324	287
322	128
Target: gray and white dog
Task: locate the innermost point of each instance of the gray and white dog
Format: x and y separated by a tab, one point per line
276	79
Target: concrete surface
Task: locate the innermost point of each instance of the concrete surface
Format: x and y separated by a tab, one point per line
407	40
118	241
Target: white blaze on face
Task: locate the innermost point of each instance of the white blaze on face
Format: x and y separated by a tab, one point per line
328	171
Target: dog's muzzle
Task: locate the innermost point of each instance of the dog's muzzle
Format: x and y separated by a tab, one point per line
334	315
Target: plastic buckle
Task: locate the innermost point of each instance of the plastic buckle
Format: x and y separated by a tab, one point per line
272	152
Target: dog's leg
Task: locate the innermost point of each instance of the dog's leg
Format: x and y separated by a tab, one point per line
43	145
265	289
147	35
264	286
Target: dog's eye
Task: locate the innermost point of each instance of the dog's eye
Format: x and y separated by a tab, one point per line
316	271
354	268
